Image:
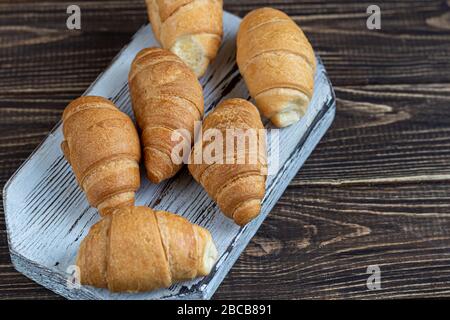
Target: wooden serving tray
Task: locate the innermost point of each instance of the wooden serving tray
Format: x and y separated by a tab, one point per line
47	215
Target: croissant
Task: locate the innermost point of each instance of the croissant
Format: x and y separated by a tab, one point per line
102	146
232	179
277	63
192	29
167	99
139	249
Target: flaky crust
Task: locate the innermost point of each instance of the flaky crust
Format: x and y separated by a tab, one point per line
191	29
102	146
166	97
277	63
139	249
237	187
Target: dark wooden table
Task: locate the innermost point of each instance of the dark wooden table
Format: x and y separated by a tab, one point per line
376	191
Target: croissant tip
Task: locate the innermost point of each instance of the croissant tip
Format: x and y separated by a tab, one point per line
247	212
159	165
285	118
154	177
106	211
115	202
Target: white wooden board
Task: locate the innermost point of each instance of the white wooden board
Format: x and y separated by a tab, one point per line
47	215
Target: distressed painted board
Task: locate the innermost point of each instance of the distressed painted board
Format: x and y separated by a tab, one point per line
47	215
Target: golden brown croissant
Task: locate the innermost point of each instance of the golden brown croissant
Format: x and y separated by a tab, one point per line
102	146
236	179
139	249
277	63
166	96
192	29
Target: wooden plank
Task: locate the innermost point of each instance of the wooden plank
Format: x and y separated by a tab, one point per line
319	241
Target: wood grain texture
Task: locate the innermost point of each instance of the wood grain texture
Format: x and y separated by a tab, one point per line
47	214
375	191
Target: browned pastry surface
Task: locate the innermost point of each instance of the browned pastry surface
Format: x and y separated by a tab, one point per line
138	249
192	29
278	64
102	146
237	187
166	97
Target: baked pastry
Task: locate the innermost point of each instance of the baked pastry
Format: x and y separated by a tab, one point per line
139	249
236	178
102	146
192	29
167	101
277	63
